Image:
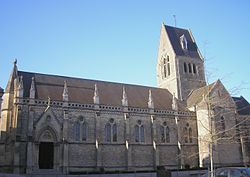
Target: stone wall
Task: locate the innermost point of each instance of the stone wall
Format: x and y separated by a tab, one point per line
41	123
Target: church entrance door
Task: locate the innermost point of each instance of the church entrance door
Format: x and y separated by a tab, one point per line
46	155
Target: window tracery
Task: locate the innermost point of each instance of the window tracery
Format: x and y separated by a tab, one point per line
139	132
164	131
80	129
111	131
188	134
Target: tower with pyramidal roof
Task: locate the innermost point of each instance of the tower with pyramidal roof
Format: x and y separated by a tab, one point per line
180	66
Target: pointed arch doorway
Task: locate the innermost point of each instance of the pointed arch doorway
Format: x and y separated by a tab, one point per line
46	149
46	155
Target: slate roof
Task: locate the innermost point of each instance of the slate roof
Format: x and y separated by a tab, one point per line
82	91
243	107
174	35
196	96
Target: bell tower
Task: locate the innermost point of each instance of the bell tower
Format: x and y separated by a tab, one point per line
180	66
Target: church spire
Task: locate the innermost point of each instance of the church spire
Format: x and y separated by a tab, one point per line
10	85
124	97
150	100
65	92
96	95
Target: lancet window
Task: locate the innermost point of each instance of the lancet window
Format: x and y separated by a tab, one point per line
139	132
80	129
164	131
77	129
188	134
111	131
166	67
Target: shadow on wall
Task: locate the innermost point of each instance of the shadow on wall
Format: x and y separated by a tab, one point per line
5	151
206	161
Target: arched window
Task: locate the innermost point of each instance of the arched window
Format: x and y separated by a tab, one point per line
185	67
139	132
190	135
76	129
189	68
111	131
142	139
222	126
167	134
84	131
168	65
114	132
80	129
164	68
162	134
194	68
185	135
164	130
108	132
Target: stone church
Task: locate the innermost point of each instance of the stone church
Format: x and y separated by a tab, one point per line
66	125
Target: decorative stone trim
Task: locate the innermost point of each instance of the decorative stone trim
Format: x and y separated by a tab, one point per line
141	110
109	108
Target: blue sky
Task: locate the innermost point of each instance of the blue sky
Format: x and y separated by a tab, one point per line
118	40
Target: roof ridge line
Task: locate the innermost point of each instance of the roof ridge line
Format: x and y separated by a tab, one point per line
93	80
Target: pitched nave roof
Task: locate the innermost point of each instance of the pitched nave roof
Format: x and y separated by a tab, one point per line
243	107
82	91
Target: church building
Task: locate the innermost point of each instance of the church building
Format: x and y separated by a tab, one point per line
64	125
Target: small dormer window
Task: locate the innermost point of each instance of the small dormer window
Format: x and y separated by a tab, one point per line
183	42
